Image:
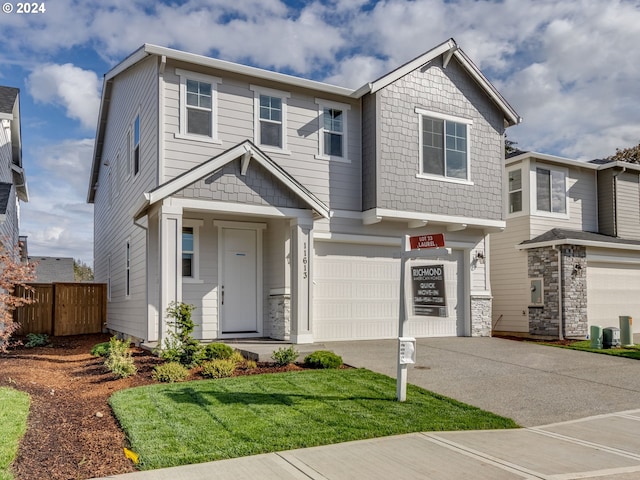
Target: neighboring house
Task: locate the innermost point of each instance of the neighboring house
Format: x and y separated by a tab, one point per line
276	205
53	269
13	184
569	257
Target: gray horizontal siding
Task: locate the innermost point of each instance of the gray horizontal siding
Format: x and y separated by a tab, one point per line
335	183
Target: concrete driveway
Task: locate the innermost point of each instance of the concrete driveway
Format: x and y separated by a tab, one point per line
532	384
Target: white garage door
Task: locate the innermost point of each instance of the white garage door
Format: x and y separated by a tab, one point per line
613	289
356	290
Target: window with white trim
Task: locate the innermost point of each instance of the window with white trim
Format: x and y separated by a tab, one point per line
135	148
198	105
551	191
270	112
190	249
514	181
333	130
444	145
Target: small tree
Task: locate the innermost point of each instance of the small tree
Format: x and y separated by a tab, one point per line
82	272
13	273
180	345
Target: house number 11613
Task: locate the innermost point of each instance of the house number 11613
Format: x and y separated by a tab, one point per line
305	273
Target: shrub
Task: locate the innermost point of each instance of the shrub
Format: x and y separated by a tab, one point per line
119	359
13	274
237	357
180	345
251	364
36	340
284	356
220	368
100	349
215	351
170	372
323	359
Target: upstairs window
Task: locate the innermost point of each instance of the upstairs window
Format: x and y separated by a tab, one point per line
271	121
136	145
333	130
515	190
198	103
270	118
444	146
551	191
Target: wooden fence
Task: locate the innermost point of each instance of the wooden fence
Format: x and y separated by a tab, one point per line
63	308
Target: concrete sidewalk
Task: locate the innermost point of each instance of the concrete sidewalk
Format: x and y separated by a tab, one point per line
582	410
605	447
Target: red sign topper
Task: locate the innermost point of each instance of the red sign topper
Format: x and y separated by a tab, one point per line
427	241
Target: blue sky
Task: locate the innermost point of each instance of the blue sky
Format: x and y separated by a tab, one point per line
569	68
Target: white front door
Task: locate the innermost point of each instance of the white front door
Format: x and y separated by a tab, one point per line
239	303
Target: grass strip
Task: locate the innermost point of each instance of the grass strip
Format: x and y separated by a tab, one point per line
14	410
632	351
178	424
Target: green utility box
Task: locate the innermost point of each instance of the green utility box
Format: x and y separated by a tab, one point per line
626	330
596	336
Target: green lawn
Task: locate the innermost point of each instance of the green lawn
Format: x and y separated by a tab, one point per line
14	409
585	346
184	423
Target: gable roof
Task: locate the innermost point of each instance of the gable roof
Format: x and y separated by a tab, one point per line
247	151
448	50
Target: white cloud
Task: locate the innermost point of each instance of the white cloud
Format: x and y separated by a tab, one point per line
569	68
57	219
71	87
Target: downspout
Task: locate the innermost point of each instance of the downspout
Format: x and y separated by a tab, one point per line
560	317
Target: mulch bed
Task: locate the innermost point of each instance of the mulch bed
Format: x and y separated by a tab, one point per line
71	431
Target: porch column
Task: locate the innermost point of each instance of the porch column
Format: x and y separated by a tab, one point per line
170	235
301	301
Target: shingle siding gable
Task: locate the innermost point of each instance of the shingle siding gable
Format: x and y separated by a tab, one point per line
449	91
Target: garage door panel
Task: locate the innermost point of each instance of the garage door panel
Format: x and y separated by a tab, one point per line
356	291
613	289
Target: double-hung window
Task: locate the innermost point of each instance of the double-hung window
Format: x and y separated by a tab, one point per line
551	191
270	107
444	146
198	105
514	179
333	130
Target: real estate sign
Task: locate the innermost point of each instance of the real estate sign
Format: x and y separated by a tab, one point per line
429	295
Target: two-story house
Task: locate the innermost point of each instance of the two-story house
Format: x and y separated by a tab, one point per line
569	257
13	184
276	205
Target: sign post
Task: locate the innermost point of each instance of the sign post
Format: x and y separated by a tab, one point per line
430	300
